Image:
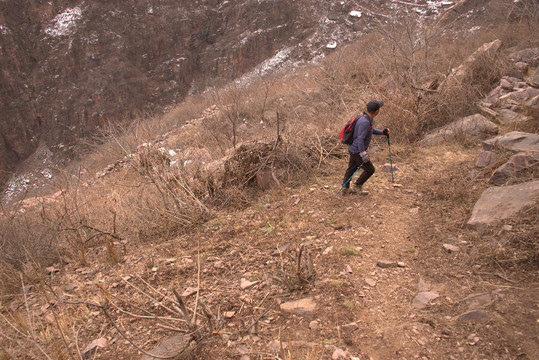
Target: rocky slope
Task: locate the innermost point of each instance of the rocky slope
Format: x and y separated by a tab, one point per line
70	66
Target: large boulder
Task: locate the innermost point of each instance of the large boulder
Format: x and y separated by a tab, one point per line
519	96
502	202
473	126
461	72
517	166
509	116
515	141
529	56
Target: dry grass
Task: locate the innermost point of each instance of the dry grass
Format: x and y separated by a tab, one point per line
297	115
149	199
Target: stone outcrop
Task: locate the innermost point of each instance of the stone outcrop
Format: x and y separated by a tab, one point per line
474	126
461	72
529	56
515	141
502	202
518	166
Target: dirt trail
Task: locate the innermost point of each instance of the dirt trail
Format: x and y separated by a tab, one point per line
362	308
395	223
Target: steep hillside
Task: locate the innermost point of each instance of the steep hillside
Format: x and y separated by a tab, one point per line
71	67
218	230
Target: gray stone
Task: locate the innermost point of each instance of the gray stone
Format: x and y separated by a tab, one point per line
519	96
91	348
350	327
522	66
485	158
243	353
303	307
314	325
451	248
473	315
508	116
473	126
516	141
488	112
339	354
506	84
529	56
246	284
282	249
495	94
386	264
423	299
172	347
370	282
531	107
477	301
502	202
517	166
534	81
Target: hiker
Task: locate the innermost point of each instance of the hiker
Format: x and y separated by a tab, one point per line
363	131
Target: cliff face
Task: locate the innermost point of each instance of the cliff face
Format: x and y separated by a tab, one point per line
67	66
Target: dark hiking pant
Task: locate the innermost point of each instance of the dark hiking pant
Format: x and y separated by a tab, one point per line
353	164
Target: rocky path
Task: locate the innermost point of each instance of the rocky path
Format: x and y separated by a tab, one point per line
392	282
399	275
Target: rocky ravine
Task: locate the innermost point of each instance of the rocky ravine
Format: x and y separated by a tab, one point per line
68	66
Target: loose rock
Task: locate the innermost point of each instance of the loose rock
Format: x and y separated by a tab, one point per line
423	299
93	347
246	284
386	264
473	315
485	158
451	248
303	307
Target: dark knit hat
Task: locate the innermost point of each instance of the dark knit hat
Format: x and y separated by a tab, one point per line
374	105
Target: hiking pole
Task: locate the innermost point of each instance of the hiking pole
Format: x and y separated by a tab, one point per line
390	161
348	180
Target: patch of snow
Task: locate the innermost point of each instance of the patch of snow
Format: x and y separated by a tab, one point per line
47	173
355	13
267	66
64	24
332	45
4	30
474	29
150	10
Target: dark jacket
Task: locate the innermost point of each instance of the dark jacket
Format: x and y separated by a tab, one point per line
363	131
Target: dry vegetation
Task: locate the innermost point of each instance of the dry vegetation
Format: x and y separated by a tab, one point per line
281	126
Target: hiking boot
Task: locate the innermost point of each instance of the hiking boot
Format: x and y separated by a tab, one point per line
347	190
359	191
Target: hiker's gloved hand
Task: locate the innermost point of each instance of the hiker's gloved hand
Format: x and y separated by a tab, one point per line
386	132
364	156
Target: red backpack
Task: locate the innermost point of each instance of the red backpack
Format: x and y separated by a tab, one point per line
347	132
